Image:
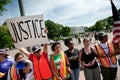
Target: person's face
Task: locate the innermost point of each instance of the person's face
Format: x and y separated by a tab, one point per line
71	45
26	69
87	42
57	48
19	58
2	56
105	39
38	52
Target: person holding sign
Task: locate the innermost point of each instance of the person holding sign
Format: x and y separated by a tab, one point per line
59	63
40	61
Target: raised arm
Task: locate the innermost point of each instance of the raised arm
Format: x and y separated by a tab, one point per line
45	48
25	52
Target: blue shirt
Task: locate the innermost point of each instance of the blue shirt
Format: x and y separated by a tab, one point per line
6	64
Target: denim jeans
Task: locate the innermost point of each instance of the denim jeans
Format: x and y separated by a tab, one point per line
75	74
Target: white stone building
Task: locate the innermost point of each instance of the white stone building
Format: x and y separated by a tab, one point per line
77	30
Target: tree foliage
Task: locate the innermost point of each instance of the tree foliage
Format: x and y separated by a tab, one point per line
5	38
56	30
65	31
104	24
2	5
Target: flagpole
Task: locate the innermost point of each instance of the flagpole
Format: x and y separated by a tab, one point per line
22	13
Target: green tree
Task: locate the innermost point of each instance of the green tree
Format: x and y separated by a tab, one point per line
98	26
66	31
5	38
56	30
50	25
2	5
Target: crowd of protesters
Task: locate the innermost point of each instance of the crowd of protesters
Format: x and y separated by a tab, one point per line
96	60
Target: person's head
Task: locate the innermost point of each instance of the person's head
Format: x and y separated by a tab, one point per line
18	57
69	43
102	37
23	68
3	53
36	49
56	47
86	41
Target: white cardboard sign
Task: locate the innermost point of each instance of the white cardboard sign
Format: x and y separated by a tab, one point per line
27	30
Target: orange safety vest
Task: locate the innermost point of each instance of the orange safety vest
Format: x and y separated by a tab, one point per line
105	61
63	72
41	68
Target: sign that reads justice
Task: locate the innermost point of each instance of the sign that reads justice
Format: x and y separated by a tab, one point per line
27	31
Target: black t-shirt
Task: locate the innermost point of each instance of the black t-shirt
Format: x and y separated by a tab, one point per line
88	58
73	58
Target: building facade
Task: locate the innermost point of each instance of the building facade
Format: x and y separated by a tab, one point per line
77	30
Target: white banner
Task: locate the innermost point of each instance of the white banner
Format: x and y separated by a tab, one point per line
27	30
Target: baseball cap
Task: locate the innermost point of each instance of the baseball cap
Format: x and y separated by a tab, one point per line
101	34
36	48
20	64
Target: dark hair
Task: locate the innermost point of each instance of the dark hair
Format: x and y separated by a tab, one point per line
100	38
67	41
17	54
54	44
22	75
101	35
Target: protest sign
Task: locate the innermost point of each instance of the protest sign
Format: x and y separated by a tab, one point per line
27	30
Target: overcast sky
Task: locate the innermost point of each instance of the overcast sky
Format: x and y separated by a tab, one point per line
65	12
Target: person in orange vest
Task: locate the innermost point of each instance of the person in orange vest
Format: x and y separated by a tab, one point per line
59	63
106	53
40	61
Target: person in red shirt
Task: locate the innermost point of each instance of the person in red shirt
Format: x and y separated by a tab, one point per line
40	62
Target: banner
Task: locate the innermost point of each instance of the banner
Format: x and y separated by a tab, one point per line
27	31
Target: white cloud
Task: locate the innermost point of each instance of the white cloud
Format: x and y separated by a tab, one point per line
71	12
